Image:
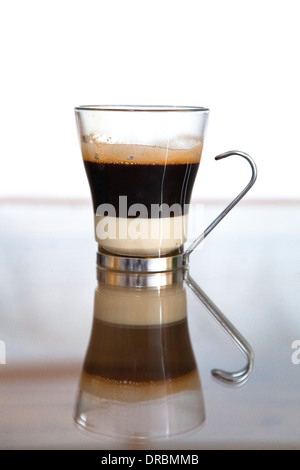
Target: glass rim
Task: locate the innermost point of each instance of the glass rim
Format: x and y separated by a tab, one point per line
142	108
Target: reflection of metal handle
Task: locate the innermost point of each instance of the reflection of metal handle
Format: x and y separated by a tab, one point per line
207	231
233	378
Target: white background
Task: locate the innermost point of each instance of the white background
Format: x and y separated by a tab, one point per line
239	58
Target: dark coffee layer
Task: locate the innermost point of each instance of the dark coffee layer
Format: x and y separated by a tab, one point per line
142	184
139	354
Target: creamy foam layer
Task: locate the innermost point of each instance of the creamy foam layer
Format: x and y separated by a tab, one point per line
140	307
132	392
130	154
141	237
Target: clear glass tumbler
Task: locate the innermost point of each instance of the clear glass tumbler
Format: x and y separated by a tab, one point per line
140	379
141	163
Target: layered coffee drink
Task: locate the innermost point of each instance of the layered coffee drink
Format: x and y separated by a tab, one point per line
141	195
139	341
139	377
140	364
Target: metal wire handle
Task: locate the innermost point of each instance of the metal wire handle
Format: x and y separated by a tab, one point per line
218	219
233	378
242	375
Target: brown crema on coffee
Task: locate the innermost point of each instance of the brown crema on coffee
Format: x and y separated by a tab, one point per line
128	154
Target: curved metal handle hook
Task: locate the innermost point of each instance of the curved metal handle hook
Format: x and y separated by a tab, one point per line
231	378
218	219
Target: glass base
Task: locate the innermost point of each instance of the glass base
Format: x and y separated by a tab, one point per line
161	417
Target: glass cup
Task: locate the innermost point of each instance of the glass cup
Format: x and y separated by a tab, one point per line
141	163
139	378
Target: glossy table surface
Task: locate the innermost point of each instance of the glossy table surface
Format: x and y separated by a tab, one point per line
249	266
